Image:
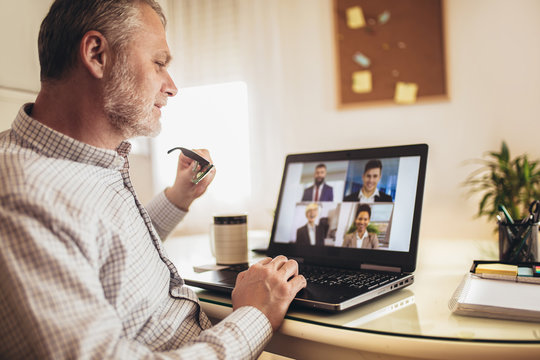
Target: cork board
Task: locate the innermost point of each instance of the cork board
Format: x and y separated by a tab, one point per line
389	51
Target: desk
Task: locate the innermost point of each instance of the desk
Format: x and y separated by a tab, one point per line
411	323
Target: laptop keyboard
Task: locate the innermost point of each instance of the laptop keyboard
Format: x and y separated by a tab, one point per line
349	278
364	279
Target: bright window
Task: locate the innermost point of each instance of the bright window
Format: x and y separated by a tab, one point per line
214	117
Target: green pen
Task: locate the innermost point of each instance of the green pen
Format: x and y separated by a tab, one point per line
506	214
513	230
522	242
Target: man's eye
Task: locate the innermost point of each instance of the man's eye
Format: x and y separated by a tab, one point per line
160	64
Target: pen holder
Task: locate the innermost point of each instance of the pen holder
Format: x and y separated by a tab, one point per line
518	242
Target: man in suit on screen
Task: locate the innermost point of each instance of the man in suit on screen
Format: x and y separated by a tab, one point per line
369	192
319	191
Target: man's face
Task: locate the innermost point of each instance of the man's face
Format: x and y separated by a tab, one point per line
320	174
371	179
138	84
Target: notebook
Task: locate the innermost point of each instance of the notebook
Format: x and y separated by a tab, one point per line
336	240
499	299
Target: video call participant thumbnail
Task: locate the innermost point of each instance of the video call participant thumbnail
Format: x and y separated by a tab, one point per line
319	191
370	179
361	238
310	233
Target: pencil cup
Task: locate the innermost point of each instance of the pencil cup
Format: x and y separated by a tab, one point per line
229	240
518	242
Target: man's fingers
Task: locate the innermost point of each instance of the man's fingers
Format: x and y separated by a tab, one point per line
265	261
289	268
278	262
297	283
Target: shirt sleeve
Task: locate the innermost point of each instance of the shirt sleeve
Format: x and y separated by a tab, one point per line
246	326
164	214
52	303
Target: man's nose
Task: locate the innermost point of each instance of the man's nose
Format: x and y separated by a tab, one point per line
169	86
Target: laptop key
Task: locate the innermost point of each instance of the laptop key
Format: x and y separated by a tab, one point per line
348	278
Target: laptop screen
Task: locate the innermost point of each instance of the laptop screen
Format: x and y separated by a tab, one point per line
352	207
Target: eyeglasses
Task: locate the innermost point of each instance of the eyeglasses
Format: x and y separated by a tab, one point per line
201	166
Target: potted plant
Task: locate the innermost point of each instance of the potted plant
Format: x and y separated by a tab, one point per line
502	180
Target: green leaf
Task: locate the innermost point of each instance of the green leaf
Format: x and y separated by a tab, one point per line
503	180
505	152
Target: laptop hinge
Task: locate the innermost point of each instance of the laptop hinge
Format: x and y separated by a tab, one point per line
380	268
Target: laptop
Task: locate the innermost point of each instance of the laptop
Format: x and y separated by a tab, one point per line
349	254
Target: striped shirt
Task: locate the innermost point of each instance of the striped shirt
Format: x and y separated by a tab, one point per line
83	271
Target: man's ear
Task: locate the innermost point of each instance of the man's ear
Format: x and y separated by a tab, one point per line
94	53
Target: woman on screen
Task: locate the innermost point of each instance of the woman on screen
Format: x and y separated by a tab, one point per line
360	237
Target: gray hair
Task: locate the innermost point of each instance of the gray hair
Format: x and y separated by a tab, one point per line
68	20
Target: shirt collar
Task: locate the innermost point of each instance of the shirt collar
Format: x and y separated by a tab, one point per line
361	194
54	144
363	236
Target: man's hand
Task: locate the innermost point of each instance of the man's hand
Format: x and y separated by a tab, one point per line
183	192
269	285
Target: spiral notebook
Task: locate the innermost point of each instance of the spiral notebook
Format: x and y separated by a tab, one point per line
499	299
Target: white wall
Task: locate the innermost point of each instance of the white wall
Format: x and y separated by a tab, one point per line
19	64
493	62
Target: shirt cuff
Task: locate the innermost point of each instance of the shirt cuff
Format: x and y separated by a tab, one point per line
252	328
164	214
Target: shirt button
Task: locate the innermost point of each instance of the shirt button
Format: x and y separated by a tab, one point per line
118	161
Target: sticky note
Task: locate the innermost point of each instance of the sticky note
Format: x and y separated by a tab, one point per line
405	93
355	17
361	82
499	269
525	271
361	59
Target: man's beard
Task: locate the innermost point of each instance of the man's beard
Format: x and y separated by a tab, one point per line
126	108
318	181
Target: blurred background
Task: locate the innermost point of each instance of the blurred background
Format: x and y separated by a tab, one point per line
257	80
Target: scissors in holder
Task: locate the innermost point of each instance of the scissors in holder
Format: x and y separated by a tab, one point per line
534	210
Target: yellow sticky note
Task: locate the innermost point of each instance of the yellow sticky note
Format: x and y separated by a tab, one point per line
355	17
499	269
361	81
405	93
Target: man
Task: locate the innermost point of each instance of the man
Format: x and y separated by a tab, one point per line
319	191
369	192
312	234
84	273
